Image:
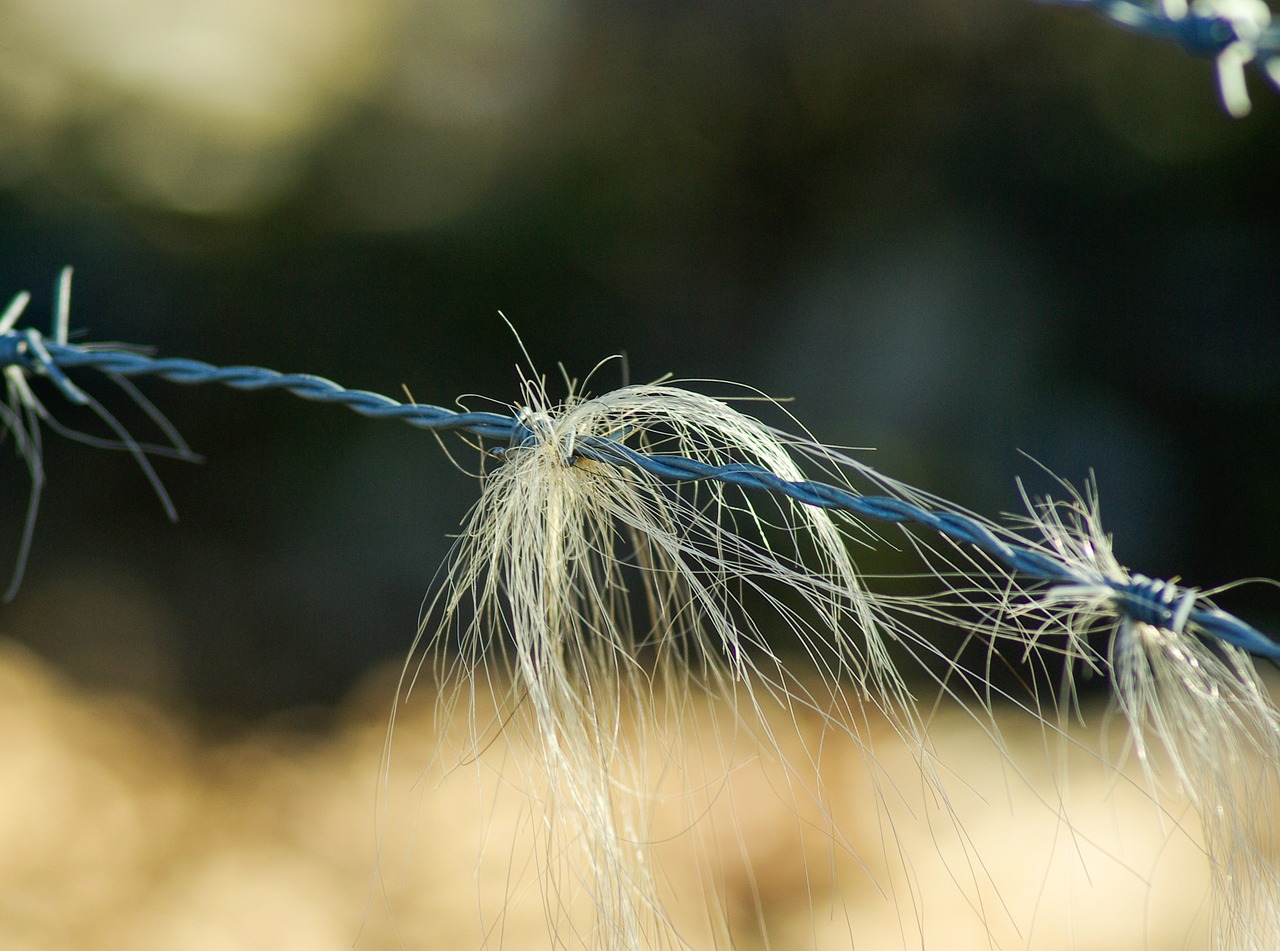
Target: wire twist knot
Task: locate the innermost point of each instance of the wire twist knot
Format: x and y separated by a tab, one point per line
1161	604
531	428
25	351
1208	29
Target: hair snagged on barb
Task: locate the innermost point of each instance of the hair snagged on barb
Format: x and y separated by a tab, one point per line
577	590
1198	705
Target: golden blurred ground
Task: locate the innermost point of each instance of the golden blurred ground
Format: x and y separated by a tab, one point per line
120	828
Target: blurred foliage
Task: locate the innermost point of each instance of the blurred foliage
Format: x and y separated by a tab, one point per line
952	230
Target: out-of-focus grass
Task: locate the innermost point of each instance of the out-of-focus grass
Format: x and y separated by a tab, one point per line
123	827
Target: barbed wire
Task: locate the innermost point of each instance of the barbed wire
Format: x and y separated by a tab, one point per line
1234	33
26	352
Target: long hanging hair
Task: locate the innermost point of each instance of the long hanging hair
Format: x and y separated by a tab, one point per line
599	603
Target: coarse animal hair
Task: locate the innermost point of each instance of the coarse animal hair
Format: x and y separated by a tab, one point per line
597	604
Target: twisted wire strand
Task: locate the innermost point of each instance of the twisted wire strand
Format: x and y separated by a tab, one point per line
1234	33
1135	598
126	363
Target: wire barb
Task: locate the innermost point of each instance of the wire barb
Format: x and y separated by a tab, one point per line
26	353
1234	33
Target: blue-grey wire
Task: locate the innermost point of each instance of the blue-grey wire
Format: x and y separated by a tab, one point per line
1199	33
1138	599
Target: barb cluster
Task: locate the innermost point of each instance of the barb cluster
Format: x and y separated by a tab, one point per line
1234	33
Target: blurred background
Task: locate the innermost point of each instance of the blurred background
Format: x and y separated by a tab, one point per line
953	230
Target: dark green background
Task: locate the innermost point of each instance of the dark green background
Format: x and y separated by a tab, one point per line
951	231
